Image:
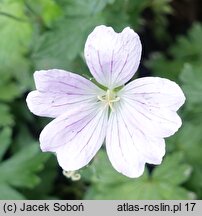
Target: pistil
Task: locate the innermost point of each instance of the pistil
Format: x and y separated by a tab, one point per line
109	99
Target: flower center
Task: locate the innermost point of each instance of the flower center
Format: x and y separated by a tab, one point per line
109	98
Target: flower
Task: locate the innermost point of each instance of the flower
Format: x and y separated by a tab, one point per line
133	119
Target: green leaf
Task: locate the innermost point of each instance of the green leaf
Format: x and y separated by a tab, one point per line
15	37
163	183
187	49
170	192
20	170
15	31
5	139
188	141
195	182
191	77
101	171
64	43
162	6
47	178
9	91
84	7
6	117
8	193
46	11
22	137
163	67
173	171
129	14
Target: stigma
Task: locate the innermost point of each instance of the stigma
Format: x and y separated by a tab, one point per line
109	98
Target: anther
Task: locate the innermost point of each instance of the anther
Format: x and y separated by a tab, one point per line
109	99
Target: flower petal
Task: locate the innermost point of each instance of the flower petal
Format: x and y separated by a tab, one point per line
128	148
112	58
155	91
153	103
152	148
121	150
59	90
76	136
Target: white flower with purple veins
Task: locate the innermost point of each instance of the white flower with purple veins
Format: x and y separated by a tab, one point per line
132	119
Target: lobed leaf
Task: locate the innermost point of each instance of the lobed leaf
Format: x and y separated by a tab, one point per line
5	116
20	170
163	183
5	139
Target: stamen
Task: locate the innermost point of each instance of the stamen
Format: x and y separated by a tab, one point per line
109	99
101	98
108	95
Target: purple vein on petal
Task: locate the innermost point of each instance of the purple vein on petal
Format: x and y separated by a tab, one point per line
123	119
118	134
79	130
142	103
117	123
146	93
125	62
155	114
98	122
98	55
71	102
67	84
111	67
101	68
60	82
137	86
112	61
92	117
85	94
138	111
93	67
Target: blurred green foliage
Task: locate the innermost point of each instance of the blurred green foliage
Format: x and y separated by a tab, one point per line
163	183
44	34
186	49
